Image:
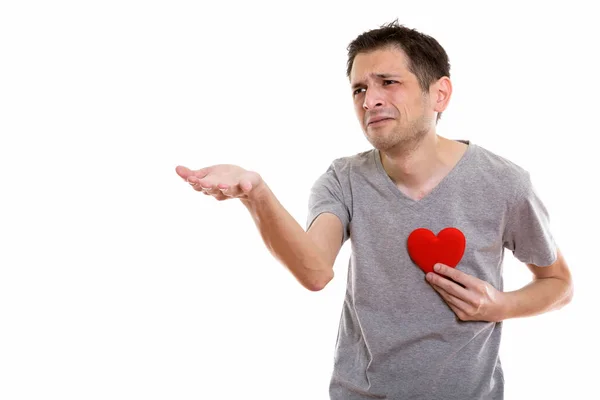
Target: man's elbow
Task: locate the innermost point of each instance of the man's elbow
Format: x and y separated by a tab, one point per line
319	281
569	291
566	294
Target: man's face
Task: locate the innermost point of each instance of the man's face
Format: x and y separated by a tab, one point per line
390	105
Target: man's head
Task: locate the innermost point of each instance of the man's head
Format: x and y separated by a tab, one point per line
402	75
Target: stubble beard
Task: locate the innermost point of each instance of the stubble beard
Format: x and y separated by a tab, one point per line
400	140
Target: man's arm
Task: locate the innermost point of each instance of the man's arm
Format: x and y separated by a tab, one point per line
551	289
309	256
477	300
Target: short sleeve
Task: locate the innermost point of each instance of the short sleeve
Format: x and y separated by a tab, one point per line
527	231
326	195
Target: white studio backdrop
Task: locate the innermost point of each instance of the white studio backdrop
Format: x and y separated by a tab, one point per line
118	281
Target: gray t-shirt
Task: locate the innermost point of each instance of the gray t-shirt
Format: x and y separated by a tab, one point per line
397	337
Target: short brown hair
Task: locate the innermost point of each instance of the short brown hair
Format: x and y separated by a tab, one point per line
427	59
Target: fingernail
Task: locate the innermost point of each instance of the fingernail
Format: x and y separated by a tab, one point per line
437	267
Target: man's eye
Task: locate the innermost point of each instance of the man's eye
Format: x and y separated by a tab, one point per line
386	82
357	91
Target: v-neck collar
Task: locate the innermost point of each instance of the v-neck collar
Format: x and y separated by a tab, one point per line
447	180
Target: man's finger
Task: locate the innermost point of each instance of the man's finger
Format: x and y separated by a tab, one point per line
456	275
201	184
226	190
185	172
448	285
452	300
195	184
460	314
245	185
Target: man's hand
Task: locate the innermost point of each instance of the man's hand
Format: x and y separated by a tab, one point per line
223	181
475	300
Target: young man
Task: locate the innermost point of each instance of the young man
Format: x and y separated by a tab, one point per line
405	331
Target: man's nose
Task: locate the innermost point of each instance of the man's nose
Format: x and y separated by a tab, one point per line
373	99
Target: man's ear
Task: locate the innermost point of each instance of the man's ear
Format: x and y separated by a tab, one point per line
440	93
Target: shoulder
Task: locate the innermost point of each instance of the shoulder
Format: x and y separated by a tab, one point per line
347	165
500	171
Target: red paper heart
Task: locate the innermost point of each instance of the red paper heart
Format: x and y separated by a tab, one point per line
425	249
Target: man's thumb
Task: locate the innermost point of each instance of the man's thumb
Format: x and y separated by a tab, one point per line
183	172
245	185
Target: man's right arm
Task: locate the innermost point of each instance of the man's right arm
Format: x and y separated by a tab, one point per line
308	255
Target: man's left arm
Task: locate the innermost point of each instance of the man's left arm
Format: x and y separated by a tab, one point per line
473	299
551	289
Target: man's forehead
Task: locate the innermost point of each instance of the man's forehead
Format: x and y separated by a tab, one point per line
378	64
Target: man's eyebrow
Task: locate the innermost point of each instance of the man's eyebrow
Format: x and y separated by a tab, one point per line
381	76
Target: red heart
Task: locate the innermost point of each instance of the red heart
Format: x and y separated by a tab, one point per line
425	249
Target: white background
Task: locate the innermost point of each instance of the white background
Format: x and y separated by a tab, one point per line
118	281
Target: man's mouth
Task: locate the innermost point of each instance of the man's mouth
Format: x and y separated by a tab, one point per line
377	121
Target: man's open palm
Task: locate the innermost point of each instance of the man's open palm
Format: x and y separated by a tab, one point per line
223	181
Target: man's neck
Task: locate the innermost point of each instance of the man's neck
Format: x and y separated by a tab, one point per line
425	164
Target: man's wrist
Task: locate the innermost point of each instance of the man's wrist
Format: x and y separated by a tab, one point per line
257	195
505	306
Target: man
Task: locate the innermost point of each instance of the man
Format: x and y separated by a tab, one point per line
404	333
